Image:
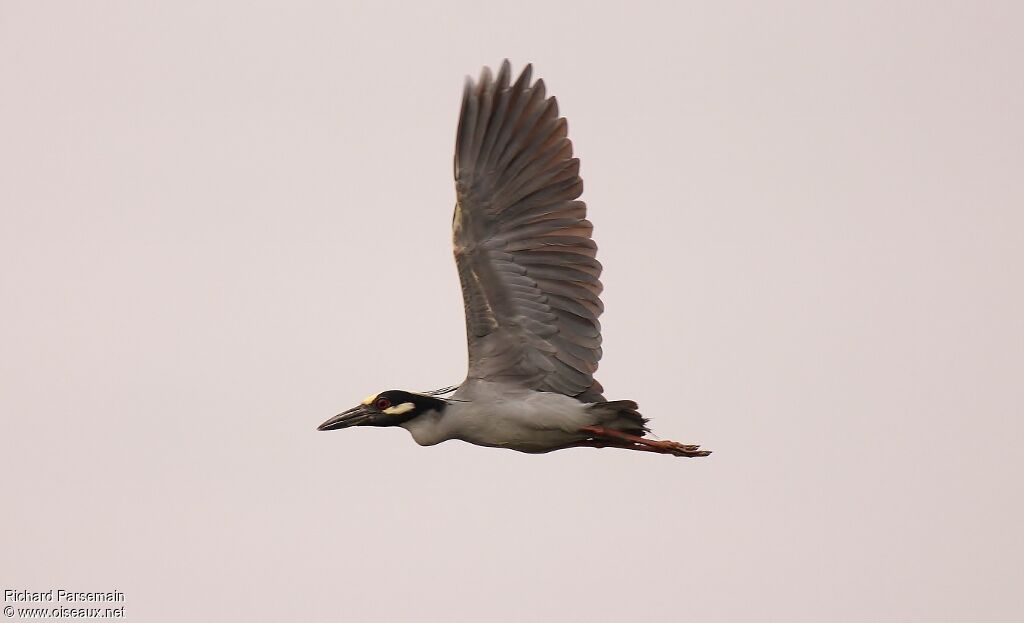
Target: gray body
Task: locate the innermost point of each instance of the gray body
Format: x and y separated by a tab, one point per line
503	416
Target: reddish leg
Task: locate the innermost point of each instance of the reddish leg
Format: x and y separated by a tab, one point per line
607	443
607	436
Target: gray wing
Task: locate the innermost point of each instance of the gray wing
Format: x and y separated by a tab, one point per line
530	280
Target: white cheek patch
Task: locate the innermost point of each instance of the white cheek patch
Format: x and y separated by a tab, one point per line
405	407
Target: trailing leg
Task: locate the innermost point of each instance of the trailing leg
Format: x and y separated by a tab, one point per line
610	436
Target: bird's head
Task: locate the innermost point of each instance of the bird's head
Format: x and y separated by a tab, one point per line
389	408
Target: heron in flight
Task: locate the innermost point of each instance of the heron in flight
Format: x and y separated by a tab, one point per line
531	288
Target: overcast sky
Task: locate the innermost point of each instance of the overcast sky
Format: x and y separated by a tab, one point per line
221	223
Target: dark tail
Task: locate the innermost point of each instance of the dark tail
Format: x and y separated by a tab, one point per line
621	415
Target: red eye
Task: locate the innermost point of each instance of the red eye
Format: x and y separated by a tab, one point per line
382	403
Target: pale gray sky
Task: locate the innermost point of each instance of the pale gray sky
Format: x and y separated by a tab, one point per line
224	222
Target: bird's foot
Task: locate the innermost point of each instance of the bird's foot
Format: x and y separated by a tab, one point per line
682	449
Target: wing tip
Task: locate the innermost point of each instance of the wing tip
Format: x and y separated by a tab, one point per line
502	78
504	72
485	80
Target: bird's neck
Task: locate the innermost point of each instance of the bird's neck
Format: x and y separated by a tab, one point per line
427	428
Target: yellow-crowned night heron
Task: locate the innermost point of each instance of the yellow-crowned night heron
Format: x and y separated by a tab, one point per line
531	291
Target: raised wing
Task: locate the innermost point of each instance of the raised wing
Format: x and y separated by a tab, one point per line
522	243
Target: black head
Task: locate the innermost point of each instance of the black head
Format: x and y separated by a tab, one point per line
389	408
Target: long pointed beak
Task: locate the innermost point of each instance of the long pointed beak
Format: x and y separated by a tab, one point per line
353	417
